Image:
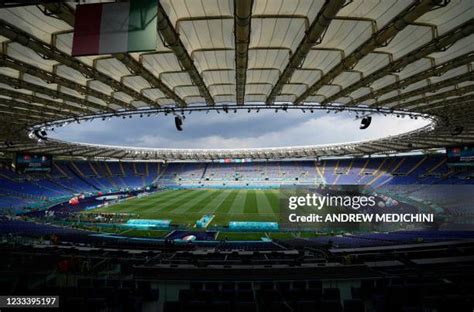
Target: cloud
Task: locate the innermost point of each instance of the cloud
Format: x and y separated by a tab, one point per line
241	130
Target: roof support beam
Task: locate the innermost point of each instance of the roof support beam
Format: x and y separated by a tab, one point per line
312	37
242	22
412	146
436	70
171	38
138	69
49	77
66	13
95	152
380	38
36	116
445	106
429	88
12	104
438	142
21	84
82	151
449	137
15	34
27	115
7	121
439	96
382	146
71	111
441	43
50	148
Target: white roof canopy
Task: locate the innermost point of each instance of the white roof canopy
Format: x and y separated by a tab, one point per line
414	56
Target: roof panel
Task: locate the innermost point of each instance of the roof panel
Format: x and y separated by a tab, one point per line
347	78
380	11
263	76
450	16
153	93
101	87
306	76
322	60
71	74
158	63
280	7
258	88
407	40
33	21
136	82
218	76
194	99
205	60
9	72
112	68
294	88
285	98
329	90
176	79
459	48
207	34
24	54
371	63
318	98
263	58
360	92
122	96
258	98
184	91
178	9
222	89
414	68
224	98
276	33
346	35
71	92
451	73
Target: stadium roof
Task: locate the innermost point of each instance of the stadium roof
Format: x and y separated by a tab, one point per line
411	57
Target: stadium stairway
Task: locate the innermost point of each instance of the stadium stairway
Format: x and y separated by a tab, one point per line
81	177
204	171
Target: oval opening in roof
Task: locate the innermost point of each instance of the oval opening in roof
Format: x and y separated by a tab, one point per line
210	130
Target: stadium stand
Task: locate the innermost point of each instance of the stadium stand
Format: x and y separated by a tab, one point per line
72	177
373	171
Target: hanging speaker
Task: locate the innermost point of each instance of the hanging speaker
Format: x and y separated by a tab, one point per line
365	123
41	134
178	121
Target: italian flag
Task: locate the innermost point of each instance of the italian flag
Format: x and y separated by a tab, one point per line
106	28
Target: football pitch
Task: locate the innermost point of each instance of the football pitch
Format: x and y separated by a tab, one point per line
185	207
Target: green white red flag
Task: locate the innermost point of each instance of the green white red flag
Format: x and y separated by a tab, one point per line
118	27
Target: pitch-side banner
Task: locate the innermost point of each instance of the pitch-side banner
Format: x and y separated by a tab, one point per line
106	28
387	208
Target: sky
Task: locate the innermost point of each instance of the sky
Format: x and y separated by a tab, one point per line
240	130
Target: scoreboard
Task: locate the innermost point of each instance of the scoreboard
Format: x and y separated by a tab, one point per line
460	155
31	163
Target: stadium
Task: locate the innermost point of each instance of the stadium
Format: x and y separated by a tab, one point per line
320	156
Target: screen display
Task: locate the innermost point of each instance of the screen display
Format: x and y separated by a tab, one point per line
460	155
238	160
30	163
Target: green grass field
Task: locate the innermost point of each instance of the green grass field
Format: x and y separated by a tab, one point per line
184	207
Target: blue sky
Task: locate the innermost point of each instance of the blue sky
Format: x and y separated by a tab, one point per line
240	130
